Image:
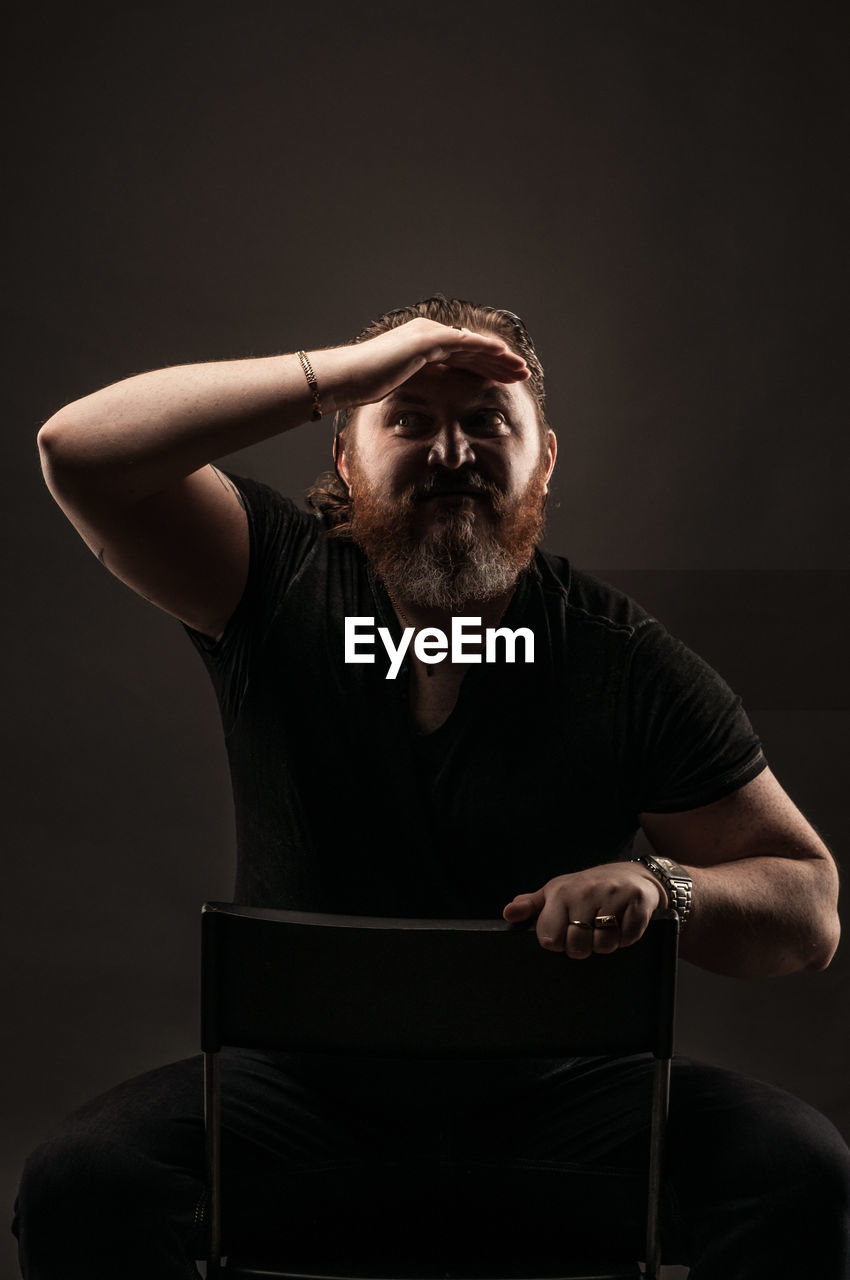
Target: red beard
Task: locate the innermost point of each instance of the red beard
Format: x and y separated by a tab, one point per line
467	555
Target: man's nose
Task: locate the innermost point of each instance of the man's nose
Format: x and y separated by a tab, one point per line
451	447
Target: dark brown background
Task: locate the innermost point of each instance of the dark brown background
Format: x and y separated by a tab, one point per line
656	188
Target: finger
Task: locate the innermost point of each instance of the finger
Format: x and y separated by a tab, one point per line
606	938
452	340
634	921
492	357
518	911
552	921
579	938
500	370
472	350
482	353
523	906
566	922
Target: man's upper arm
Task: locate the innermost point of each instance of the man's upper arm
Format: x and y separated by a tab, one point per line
759	819
185	549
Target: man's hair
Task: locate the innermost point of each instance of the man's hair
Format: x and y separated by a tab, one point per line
329	495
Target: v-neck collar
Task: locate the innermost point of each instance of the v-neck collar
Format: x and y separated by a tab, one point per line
473	678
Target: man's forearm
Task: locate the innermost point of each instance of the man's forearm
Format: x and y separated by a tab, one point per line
762	917
140	436
130	464
135	437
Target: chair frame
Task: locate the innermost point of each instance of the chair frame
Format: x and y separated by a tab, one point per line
537	998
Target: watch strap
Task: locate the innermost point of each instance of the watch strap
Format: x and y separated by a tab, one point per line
677	884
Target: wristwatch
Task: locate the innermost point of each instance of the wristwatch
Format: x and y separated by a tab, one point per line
675	881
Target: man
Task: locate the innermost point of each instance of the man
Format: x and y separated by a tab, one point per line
409	785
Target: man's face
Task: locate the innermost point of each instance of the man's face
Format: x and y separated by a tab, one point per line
447	477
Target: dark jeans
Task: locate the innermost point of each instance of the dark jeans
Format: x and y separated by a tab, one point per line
345	1162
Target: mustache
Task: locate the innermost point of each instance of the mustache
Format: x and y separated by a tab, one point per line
454	482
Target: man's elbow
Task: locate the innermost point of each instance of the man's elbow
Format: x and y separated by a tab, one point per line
825	927
72	460
825	943
61	445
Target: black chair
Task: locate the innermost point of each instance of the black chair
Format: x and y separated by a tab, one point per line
288	980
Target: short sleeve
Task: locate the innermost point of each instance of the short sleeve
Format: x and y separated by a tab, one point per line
281	538
687	739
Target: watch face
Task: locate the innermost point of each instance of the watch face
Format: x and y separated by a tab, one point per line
677	874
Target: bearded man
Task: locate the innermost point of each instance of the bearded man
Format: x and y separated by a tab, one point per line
464	788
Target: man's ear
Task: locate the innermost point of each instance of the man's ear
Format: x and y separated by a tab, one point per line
341	462
551	448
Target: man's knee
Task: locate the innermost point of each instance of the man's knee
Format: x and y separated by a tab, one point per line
811	1164
83	1197
753	1163
74	1179
769	1136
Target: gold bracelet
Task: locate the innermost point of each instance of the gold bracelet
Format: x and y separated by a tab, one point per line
314	386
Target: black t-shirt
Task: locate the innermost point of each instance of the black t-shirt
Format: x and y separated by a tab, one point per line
542	768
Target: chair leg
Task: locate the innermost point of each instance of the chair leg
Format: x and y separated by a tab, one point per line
660	1109
212	1120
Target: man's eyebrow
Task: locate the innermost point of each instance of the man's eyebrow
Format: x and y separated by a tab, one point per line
490	395
395	397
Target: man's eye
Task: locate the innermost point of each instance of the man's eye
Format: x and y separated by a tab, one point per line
482	422
488	421
408	423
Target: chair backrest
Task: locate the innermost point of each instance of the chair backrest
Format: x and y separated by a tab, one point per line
377	986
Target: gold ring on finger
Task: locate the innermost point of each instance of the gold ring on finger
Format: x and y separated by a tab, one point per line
582	924
605	922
